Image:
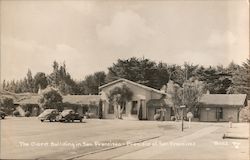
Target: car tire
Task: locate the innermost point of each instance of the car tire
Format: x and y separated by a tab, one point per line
42	120
3	117
80	119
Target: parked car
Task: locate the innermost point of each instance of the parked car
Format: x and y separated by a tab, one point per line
69	115
49	114
2	114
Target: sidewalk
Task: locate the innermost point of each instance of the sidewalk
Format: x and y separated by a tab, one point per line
238	130
206	144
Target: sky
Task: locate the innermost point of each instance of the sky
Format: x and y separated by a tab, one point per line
91	35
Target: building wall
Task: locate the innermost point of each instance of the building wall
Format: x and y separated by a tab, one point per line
140	95
231	111
211	116
208	115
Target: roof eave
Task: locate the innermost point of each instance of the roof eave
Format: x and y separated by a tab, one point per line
140	85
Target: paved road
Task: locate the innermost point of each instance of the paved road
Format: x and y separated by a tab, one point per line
28	138
206	143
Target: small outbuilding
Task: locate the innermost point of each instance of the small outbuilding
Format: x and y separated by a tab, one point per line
221	107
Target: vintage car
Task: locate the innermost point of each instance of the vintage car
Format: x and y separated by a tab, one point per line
49	114
69	115
2	114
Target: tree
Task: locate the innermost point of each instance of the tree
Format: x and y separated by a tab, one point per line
62	80
54	77
216	79
79	88
92	82
40	81
118	96
7	104
176	74
4	85
192	90
174	92
30	81
51	98
143	71
241	79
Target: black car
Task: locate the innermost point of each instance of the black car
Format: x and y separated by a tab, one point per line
69	115
49	114
2	114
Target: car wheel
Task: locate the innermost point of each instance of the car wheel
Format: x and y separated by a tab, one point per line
42	120
3	117
80	119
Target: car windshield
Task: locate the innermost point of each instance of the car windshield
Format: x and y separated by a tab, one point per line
65	112
46	112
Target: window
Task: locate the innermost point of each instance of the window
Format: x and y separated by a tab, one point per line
134	107
172	111
111	108
221	113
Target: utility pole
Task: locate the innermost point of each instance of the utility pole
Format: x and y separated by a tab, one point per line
183	99
182	123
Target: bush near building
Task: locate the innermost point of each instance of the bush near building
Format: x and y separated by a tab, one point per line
245	114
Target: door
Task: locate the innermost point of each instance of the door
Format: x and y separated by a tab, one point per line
208	115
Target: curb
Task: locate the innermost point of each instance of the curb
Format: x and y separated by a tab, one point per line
234	137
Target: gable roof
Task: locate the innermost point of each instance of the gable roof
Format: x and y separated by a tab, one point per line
133	83
224	99
82	99
28	100
73	99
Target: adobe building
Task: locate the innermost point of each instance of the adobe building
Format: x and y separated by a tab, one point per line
145	99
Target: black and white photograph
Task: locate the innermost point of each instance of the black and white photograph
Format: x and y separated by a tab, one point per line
124	79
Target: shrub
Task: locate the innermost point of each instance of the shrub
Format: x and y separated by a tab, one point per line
7	104
157	117
16	113
27	114
90	115
51	98
245	114
173	118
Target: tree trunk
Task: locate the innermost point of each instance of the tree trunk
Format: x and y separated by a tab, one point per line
120	113
116	111
176	113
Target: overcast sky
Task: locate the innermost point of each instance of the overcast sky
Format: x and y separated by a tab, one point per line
91	35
